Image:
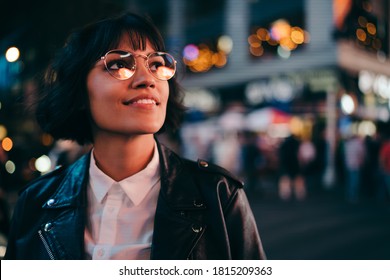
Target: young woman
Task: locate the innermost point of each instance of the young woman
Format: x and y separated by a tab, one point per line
113	86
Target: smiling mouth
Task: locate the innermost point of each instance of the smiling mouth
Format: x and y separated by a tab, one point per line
145	101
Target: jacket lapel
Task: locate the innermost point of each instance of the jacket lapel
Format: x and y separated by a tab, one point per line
63	229
178	222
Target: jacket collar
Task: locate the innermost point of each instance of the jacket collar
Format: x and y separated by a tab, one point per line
72	189
177	186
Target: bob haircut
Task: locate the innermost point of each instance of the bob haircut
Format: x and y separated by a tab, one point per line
63	108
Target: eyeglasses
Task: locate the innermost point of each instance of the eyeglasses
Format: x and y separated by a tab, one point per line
122	64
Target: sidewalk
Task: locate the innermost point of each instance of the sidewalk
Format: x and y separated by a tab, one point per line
322	227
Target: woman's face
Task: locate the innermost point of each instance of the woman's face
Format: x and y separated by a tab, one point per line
127	107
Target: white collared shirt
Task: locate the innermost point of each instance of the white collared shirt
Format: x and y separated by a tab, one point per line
121	214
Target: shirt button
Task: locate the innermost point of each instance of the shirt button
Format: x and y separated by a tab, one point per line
100	252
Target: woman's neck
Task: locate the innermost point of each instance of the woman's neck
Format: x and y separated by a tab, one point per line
122	157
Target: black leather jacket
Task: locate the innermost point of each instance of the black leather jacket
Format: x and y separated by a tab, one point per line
202	213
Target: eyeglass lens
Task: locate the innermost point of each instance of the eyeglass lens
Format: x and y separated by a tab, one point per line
122	65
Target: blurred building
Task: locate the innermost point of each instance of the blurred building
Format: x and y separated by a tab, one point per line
326	61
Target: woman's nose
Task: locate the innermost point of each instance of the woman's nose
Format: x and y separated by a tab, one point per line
142	76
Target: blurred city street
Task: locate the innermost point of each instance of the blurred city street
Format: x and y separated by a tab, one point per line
277	92
323	227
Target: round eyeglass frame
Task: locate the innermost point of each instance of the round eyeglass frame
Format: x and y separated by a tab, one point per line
146	57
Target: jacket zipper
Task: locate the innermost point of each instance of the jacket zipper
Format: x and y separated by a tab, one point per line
46	245
190	255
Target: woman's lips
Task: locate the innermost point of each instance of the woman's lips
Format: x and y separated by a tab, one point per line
142	101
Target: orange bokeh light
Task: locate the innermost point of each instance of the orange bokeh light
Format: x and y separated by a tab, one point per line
7	144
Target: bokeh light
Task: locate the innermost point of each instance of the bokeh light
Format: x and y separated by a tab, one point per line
371	28
12	54
367	128
10	166
201	58
43	164
7	144
280	29
263	34
347	104
3	132
361	34
225	44
191	52
281	37
283	52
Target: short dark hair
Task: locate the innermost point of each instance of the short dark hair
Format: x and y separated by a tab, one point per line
62	109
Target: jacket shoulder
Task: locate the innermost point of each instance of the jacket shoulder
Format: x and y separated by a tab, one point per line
49	182
207	168
215	181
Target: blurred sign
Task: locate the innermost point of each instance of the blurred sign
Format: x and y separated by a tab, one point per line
286	87
202	99
275	89
378	84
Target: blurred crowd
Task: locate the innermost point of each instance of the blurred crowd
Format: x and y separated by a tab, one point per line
295	164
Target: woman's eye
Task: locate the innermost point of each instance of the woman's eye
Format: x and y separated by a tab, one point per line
153	65
118	64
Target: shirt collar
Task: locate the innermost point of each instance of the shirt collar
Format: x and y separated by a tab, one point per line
136	186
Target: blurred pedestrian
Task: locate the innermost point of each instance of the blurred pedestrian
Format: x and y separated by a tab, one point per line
354	153
306	158
130	197
384	165
291	180
371	174
319	162
251	160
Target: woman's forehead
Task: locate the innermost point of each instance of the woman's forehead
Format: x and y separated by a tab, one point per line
128	47
135	42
